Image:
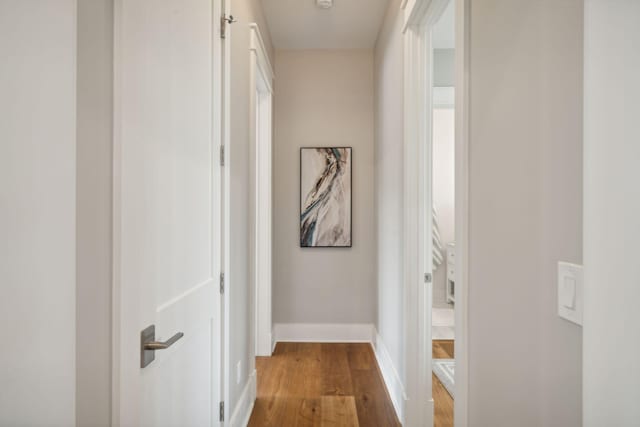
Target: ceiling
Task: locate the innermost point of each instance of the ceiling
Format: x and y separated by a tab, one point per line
300	24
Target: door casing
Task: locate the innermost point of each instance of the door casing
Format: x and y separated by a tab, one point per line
419	18
261	76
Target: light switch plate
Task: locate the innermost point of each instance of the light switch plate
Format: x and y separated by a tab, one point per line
570	302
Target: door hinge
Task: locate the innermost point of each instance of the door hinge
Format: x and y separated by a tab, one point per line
222	155
222	283
221	411
428	278
224	21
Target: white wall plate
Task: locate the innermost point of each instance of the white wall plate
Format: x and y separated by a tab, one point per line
570	301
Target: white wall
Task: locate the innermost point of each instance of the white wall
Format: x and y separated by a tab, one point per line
611	213
525	363
37	212
94	212
444	67
389	123
240	161
443	192
323	98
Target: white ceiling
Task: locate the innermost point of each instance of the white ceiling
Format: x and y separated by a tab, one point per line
300	24
444	31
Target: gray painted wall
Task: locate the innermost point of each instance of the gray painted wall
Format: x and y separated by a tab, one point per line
611	213
323	98
37	213
525	210
93	210
389	124
525	206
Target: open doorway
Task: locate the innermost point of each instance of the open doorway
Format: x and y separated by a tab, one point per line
443	215
324	300
435	203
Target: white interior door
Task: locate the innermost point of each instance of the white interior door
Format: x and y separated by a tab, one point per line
167	207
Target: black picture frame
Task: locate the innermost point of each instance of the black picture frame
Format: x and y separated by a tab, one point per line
301	198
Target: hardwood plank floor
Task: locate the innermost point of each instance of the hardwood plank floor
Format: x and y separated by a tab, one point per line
443	402
313	384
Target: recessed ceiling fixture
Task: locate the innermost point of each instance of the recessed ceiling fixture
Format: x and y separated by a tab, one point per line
324	4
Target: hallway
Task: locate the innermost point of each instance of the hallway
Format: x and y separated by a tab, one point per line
314	384
226	213
318	384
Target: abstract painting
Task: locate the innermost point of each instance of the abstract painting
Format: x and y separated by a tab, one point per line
325	197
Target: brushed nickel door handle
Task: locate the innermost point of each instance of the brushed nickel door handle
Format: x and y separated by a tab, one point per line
159	345
149	345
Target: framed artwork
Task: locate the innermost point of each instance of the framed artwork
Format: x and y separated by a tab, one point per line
325	197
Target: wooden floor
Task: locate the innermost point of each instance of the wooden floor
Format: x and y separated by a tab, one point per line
443	403
309	384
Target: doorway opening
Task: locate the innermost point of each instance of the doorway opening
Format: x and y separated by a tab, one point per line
442	137
435	204
320	298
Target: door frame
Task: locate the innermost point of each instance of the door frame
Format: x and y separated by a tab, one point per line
218	108
419	18
261	77
462	214
224	85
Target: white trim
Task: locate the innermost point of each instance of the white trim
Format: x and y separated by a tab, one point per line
418	100
218	108
225	85
463	39
408	6
257	45
244	405
324	332
417	250
261	139
391	378
418	392
420	16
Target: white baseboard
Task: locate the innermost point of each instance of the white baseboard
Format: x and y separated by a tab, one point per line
391	378
324	332
244	406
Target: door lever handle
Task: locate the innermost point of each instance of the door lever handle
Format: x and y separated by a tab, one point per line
149	345
159	345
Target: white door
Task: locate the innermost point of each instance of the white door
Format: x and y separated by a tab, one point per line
167	222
